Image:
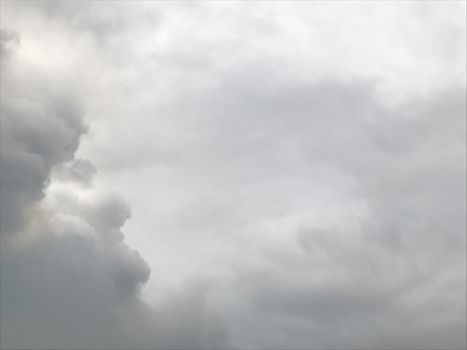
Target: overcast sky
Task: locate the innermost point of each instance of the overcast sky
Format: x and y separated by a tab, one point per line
241	175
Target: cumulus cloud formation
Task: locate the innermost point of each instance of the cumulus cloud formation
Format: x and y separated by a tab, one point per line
67	278
282	175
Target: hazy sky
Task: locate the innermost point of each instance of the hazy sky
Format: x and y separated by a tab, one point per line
242	175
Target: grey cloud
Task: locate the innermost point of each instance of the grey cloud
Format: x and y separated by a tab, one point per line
188	309
256	154
414	241
36	134
324	216
67	278
79	171
8	40
253	149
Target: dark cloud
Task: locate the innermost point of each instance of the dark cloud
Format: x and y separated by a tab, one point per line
67	278
37	132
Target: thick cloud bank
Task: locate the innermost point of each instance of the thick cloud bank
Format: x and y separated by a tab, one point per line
295	171
67	278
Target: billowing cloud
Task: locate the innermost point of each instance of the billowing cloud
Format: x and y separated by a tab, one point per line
68	280
295	174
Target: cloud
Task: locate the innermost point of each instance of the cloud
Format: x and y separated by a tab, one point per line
308	274
294	182
68	280
36	134
79	171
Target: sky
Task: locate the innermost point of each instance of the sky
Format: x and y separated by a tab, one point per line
233	175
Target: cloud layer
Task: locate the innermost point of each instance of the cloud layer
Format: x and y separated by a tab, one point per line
295	172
